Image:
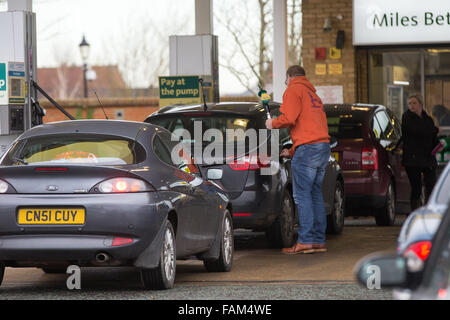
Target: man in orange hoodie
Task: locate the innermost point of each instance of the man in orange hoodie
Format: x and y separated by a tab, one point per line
304	115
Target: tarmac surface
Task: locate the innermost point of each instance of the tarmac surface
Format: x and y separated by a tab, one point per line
259	272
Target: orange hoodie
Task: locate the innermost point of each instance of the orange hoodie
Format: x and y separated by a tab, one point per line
303	113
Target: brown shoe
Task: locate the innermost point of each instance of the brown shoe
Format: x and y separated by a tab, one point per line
319	248
298	248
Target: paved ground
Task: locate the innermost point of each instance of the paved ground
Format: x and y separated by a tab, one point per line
258	272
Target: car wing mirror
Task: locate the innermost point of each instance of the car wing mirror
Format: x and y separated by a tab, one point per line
215	174
382	271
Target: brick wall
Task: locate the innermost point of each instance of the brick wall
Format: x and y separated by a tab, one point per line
136	109
314	14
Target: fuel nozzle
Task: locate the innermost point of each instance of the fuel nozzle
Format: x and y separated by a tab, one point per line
265	99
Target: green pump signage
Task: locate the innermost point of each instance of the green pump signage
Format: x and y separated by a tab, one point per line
2	76
3	85
179	89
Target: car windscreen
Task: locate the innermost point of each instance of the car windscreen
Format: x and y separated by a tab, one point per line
345	124
75	149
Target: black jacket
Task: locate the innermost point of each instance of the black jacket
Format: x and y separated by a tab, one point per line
419	135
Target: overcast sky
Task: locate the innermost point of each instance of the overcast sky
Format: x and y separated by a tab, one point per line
61	24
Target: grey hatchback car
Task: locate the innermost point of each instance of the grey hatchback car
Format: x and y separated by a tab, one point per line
106	193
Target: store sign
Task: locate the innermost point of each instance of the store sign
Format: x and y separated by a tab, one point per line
387	22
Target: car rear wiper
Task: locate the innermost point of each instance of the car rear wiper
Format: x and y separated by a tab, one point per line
22	161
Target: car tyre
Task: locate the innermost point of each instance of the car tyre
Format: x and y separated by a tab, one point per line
335	221
163	276
225	260
386	215
282	233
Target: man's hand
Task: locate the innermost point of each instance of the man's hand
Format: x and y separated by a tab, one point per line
285	153
269	124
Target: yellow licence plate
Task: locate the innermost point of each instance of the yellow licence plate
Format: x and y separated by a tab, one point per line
335	155
38	216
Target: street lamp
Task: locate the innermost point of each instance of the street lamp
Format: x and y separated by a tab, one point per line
84	51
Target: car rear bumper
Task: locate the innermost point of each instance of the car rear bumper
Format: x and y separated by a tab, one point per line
364	201
256	210
133	216
365	188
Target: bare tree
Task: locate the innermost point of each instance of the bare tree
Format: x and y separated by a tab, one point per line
142	50
295	34
249	58
62	87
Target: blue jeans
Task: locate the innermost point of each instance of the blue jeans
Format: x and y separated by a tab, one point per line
308	169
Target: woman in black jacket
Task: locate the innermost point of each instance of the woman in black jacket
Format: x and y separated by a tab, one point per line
419	135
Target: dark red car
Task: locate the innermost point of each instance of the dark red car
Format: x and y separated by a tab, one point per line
376	183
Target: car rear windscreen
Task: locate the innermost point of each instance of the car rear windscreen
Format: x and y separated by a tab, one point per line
228	125
345	124
75	149
237	135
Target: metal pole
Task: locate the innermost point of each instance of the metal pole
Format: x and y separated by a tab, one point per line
280	52
85	81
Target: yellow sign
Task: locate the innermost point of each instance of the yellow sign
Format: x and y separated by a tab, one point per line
335	53
40	216
335	68
321	69
179	90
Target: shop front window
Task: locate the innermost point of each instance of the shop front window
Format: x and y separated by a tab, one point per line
437	85
393	76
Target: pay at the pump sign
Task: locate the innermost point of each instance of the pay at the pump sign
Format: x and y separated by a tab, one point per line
179	89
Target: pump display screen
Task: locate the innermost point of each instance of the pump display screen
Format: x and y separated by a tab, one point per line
15	87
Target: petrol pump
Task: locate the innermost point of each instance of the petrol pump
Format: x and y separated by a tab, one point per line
19	109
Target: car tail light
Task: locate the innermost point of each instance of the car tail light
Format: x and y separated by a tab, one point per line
117	241
122	185
369	159
241	214
416	254
5	187
252	162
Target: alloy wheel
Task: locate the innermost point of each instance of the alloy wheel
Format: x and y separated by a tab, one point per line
227	240
338	206
169	255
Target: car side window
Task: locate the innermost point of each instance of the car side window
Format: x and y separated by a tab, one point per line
167	145
161	151
395	122
385	126
376	128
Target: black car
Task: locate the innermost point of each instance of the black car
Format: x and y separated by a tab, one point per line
383	271
106	193
260	202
